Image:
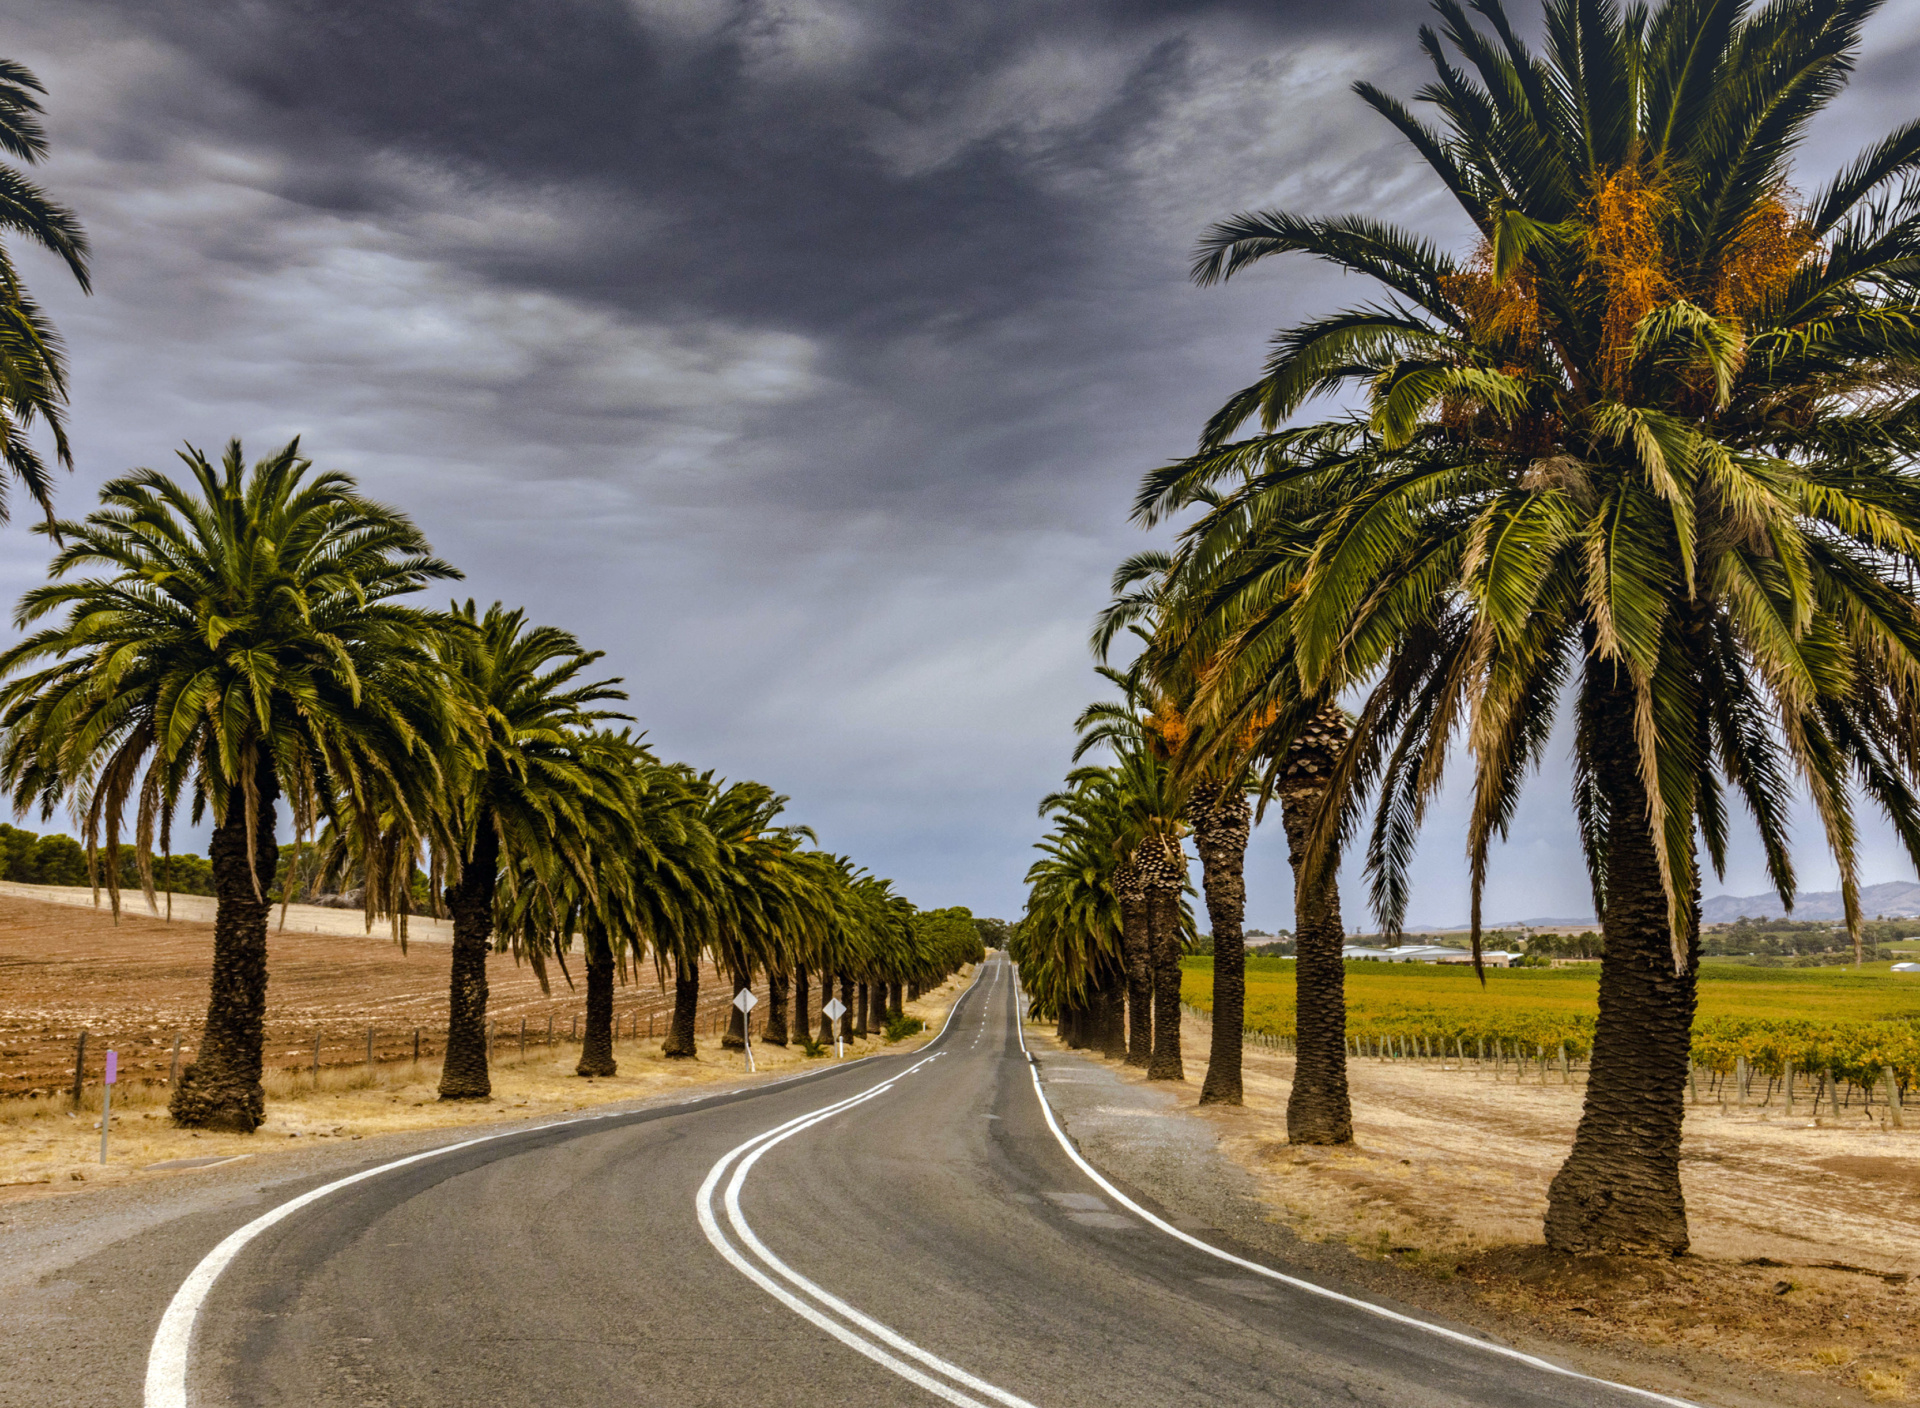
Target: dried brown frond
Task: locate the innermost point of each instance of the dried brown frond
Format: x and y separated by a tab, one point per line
1166	729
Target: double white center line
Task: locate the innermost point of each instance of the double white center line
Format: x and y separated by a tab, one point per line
853	1328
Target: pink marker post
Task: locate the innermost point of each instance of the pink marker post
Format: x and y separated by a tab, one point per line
106	1100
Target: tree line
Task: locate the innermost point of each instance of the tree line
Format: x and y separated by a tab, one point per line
237	640
1642	455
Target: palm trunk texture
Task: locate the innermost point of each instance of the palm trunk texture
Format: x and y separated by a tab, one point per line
1112	1040
1619	1190
896	1001
736	1034
1222	821
596	1051
1319	1110
221	1088
801	1026
1163	868
464	1076
686	1008
846	1004
825	1038
860	1012
776	1032
1136	945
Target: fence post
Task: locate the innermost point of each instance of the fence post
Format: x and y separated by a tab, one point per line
1693	1080
1740	1081
1833	1093
416	1046
523	1038
1786	1082
1894	1114
369	1048
173	1071
79	1065
1566	1070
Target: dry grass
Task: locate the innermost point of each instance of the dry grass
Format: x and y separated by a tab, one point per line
1806	1252
46	1151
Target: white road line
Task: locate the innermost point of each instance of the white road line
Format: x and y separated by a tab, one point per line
825	1306
1504	1351
167	1359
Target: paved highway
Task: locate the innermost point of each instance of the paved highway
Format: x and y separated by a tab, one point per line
905	1229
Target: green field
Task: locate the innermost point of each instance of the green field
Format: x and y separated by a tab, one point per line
1852	1021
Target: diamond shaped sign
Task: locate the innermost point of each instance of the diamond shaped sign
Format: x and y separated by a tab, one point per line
745	1000
833	1009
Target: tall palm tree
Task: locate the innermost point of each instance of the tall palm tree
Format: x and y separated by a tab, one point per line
522	791
239	639
1211	774
1648	446
33	373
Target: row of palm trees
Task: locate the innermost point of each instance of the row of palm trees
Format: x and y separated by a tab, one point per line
1644	455
235	639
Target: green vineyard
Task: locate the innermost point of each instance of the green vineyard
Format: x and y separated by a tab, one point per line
1851	1024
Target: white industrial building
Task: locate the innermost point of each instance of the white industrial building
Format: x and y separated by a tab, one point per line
1427	953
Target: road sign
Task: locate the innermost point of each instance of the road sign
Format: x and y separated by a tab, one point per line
106	1100
833	1009
746	1002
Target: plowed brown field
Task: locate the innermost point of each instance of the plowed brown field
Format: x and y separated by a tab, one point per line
134	985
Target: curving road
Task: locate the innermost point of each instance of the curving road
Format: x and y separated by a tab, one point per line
904	1229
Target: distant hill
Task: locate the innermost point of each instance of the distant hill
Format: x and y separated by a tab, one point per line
1897	898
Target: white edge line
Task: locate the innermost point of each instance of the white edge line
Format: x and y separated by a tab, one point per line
166	1382
703	1201
1490	1346
886	1335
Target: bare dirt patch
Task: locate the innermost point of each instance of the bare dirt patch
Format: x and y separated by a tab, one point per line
134	984
1806	1250
142	978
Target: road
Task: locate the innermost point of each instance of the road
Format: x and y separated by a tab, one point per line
906	1229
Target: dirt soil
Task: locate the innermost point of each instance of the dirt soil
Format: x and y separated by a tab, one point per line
1806	1233
128	984
135	984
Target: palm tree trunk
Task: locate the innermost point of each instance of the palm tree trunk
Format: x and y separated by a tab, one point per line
1619	1190
686	1008
1136	953
860	1012
776	1032
736	1035
1319	1110
596	1051
801	1026
1073	1023
464	1075
896	1002
1112	1036
1222	822
826	995
1163	922
846	1002
221	1088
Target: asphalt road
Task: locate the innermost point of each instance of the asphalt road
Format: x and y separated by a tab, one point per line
906	1229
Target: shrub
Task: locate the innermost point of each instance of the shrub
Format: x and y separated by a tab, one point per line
902	1027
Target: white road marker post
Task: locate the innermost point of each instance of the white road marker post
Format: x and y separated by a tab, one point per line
746	1002
833	1009
106	1100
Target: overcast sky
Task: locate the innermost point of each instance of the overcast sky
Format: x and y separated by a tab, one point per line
801	355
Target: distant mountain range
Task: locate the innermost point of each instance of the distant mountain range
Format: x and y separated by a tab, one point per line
1895	899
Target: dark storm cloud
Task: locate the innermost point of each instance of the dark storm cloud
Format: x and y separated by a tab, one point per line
801	354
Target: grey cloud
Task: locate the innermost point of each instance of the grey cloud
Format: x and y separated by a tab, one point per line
802	354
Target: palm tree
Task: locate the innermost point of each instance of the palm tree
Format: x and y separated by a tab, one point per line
33	373
522	792
239	639
1649	446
